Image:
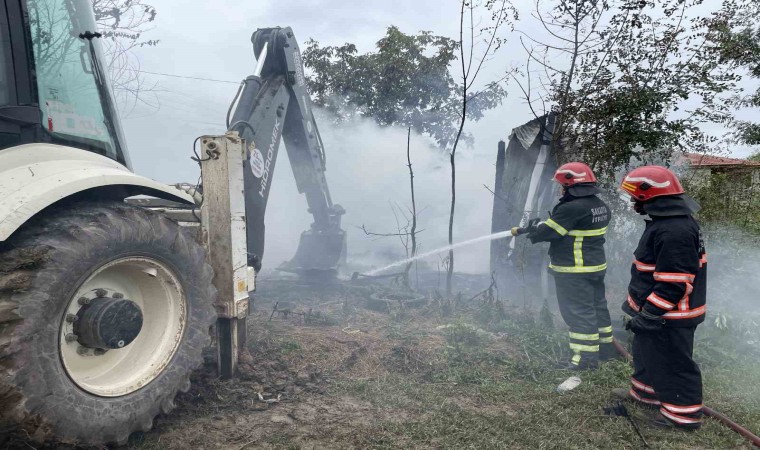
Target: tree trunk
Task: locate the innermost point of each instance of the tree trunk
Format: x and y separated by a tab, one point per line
450	272
413	233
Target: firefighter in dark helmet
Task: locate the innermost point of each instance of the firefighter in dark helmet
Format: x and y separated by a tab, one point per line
576	232
666	300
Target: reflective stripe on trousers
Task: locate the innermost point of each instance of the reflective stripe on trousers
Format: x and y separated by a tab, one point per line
580	343
605	335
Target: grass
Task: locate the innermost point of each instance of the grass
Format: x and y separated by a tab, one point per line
288	347
474	377
472	405
524	414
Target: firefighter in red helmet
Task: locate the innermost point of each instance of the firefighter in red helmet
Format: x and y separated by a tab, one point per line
666	299
576	232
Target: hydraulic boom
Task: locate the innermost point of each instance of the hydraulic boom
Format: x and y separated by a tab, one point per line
273	104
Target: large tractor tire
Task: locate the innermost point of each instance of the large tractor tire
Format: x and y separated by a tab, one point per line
104	311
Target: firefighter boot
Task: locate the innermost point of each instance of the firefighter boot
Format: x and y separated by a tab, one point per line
621	394
585	364
625	394
655	418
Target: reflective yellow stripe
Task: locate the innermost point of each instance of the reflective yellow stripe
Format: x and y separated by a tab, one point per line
576	359
575	269
584	337
628	186
578	251
584	348
598	232
605	340
556	227
605	329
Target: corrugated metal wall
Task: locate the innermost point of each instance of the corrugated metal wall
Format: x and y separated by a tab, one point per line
524	189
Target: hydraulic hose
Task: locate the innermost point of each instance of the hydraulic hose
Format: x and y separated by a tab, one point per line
709	412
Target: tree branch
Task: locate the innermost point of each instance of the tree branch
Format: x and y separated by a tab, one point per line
502	11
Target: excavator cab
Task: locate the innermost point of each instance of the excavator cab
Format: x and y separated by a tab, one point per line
53	82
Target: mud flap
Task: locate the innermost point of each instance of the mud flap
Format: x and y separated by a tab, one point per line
319	254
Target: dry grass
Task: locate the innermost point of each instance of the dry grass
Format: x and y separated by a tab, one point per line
442	376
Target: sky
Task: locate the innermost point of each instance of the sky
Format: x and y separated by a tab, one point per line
192	45
365	163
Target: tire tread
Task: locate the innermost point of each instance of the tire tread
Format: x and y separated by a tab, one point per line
28	262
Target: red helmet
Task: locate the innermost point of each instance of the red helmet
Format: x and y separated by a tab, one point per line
574	173
646	182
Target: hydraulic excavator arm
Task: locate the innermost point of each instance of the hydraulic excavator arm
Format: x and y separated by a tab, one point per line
273	104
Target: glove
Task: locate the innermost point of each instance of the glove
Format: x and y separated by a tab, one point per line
645	322
531	227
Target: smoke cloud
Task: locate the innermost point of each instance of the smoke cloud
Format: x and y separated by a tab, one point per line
367	173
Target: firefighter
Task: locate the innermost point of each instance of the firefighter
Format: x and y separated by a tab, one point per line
666	300
576	232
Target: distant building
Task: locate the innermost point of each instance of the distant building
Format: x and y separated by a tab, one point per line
703	166
727	188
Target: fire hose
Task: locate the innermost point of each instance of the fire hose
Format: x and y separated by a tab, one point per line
709	412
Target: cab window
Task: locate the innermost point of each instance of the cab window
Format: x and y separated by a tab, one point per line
71	84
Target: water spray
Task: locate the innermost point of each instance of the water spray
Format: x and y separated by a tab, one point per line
490	237
514	231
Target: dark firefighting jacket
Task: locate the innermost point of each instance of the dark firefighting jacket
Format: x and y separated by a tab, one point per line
575	230
669	273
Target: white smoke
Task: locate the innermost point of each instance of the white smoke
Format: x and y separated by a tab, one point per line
367	173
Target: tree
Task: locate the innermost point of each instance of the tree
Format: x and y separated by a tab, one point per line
405	82
628	78
413	211
123	24
738	44
472	63
407	233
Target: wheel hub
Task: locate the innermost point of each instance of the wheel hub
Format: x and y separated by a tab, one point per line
108	323
122	326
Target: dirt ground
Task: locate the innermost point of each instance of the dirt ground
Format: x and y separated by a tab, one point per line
305	345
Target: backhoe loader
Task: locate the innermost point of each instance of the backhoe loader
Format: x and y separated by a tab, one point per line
111	284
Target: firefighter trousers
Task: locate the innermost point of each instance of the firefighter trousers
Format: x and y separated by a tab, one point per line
583	306
665	374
